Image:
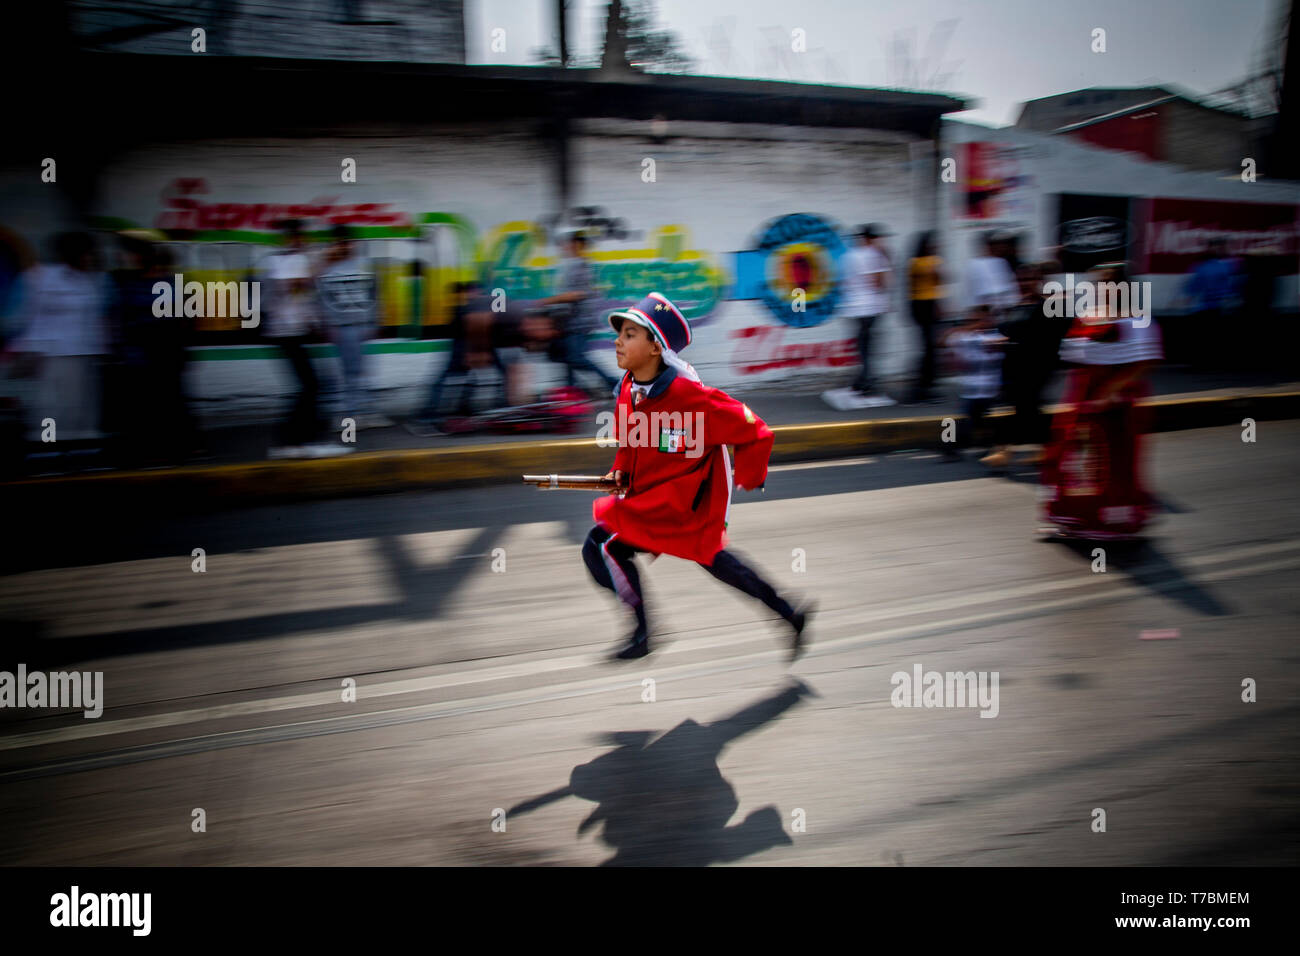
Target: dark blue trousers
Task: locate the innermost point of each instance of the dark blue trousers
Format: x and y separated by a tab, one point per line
610	561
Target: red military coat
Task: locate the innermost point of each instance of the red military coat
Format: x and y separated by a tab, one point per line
679	470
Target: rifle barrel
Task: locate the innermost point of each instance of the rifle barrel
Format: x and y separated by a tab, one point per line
579	482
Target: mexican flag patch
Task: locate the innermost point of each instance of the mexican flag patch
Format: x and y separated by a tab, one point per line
672	439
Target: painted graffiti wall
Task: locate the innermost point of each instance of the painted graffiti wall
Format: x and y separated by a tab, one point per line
744	227
771	209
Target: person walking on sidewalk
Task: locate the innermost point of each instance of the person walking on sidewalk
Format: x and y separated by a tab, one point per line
926	287
63	341
990	283
978	347
1030	360
348	296
866	299
292	315
676	481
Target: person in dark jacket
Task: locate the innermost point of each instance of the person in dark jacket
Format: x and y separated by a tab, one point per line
1030	358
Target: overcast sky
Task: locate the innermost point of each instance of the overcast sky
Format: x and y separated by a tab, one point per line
997	52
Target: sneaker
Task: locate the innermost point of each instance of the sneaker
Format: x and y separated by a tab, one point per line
875	401
799	622
285	451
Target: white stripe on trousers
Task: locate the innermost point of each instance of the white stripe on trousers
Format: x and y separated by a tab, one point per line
621	584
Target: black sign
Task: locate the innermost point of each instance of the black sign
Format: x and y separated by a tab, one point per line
1092	229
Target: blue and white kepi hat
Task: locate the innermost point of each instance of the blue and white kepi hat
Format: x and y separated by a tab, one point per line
666	323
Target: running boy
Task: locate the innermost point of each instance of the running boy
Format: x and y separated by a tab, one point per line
675	470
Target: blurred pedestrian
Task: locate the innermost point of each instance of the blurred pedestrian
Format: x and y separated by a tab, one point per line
63	340
1006	246
293	313
866	299
1029	361
427	420
990	283
1212	287
977	345
925	284
1093	475
577	290
348	296
157	426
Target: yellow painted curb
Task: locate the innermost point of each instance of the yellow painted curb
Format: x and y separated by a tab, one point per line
427	468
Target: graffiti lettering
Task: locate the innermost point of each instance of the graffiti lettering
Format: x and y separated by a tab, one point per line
184	212
759	349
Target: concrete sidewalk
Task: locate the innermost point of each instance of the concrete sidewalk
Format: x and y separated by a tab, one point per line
390	459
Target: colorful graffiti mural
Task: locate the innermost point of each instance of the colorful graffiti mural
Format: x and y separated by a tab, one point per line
517	256
794	267
801	251
690	277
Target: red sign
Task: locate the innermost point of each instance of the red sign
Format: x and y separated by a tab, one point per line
1175	233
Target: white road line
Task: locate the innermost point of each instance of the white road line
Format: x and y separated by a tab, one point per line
834	463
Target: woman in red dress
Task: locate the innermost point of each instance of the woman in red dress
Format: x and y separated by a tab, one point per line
1093	473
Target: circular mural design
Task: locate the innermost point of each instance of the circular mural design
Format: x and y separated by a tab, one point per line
801	251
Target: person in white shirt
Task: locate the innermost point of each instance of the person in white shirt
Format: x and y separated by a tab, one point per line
978	348
990	283
294	312
64	338
866	298
348	296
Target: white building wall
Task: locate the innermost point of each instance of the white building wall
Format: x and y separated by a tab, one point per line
1051	165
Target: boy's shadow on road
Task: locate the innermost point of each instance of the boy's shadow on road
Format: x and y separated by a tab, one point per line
666	803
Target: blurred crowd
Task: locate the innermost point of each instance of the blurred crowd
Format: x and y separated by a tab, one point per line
95	375
94	371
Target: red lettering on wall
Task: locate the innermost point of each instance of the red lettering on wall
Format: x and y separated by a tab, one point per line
759	349
184	212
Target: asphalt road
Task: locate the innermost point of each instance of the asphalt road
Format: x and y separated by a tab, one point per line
483	696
